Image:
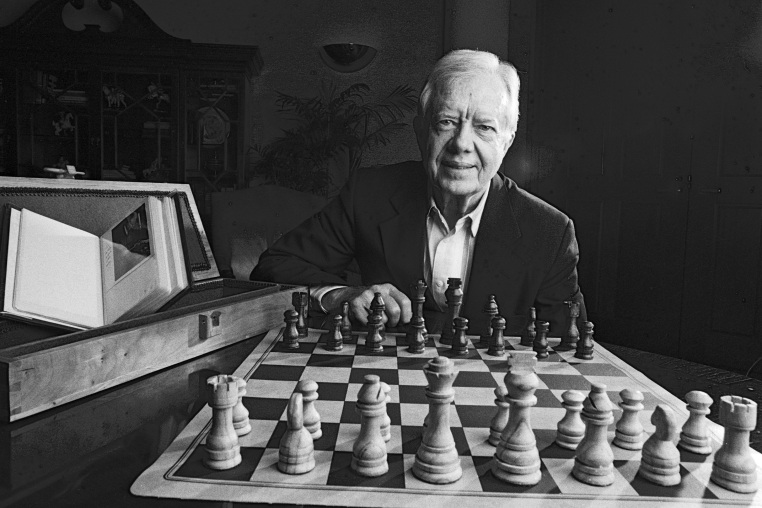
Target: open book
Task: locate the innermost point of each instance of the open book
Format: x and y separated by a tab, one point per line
68	277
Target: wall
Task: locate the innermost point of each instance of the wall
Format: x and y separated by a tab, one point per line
407	34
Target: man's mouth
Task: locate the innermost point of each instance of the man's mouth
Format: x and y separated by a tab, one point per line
457	165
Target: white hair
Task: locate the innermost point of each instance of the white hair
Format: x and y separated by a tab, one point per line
468	63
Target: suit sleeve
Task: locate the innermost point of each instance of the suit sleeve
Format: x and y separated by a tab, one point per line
561	285
318	250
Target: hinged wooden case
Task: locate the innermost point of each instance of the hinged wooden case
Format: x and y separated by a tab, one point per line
43	367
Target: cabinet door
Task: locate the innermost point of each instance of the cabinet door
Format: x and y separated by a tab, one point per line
138	112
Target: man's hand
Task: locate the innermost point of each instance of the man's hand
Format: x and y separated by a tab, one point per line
398	306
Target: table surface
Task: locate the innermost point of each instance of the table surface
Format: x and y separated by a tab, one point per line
89	452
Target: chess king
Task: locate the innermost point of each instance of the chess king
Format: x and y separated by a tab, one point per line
450	215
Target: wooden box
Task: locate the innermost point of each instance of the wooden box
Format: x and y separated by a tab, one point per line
42	367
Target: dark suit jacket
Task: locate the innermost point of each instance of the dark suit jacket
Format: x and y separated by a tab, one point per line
525	253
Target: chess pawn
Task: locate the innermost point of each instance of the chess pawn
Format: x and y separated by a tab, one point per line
311	418
241	422
459	340
291	332
571	335
571	428
415	336
491	310
296	454
386	422
594	462
437	460
540	344
517	459
222	448
585	346
660	459
629	431
497	341
346	323
530	331
374	337
500	420
336	341
694	436
454	299
369	456
734	467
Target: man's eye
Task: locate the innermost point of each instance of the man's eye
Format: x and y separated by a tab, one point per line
445	122
486	128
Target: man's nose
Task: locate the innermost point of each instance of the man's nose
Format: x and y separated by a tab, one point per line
463	138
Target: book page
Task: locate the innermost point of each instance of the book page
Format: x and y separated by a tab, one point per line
134	262
57	272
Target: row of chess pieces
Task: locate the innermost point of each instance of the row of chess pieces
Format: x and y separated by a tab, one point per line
535	332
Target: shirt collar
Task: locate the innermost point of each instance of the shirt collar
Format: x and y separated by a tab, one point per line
475	216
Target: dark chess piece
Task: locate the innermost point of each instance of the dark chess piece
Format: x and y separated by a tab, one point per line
571	335
377	308
459	340
585	345
291	332
497	341
374	338
418	293
346	324
530	330
540	344
491	310
454	299
335	341
300	301
416	340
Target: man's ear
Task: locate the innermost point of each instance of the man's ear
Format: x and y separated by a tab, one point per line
508	142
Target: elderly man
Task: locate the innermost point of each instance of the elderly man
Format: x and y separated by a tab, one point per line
451	215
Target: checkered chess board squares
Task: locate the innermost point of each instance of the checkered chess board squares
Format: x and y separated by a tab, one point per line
340	376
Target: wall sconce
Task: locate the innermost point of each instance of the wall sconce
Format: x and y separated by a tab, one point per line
347	57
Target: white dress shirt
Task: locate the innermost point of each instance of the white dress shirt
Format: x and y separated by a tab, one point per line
449	253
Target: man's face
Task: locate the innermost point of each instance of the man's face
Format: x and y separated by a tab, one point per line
465	135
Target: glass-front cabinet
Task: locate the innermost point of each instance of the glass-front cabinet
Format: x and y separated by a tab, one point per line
122	100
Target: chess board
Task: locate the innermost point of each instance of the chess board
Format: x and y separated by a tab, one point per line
273	371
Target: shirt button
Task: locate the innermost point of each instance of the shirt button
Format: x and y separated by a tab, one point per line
440	283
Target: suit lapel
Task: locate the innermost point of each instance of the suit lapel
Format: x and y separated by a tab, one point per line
404	235
499	235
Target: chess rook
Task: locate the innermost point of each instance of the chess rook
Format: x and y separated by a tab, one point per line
296	454
660	459
629	431
497	341
311	418
491	310
437	460
585	345
222	448
454	299
540	344
530	330
734	467
694	436
291	332
459	340
594	462
369	456
571	428
571	334
335	341
346	323
500	420
517	459
241	422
